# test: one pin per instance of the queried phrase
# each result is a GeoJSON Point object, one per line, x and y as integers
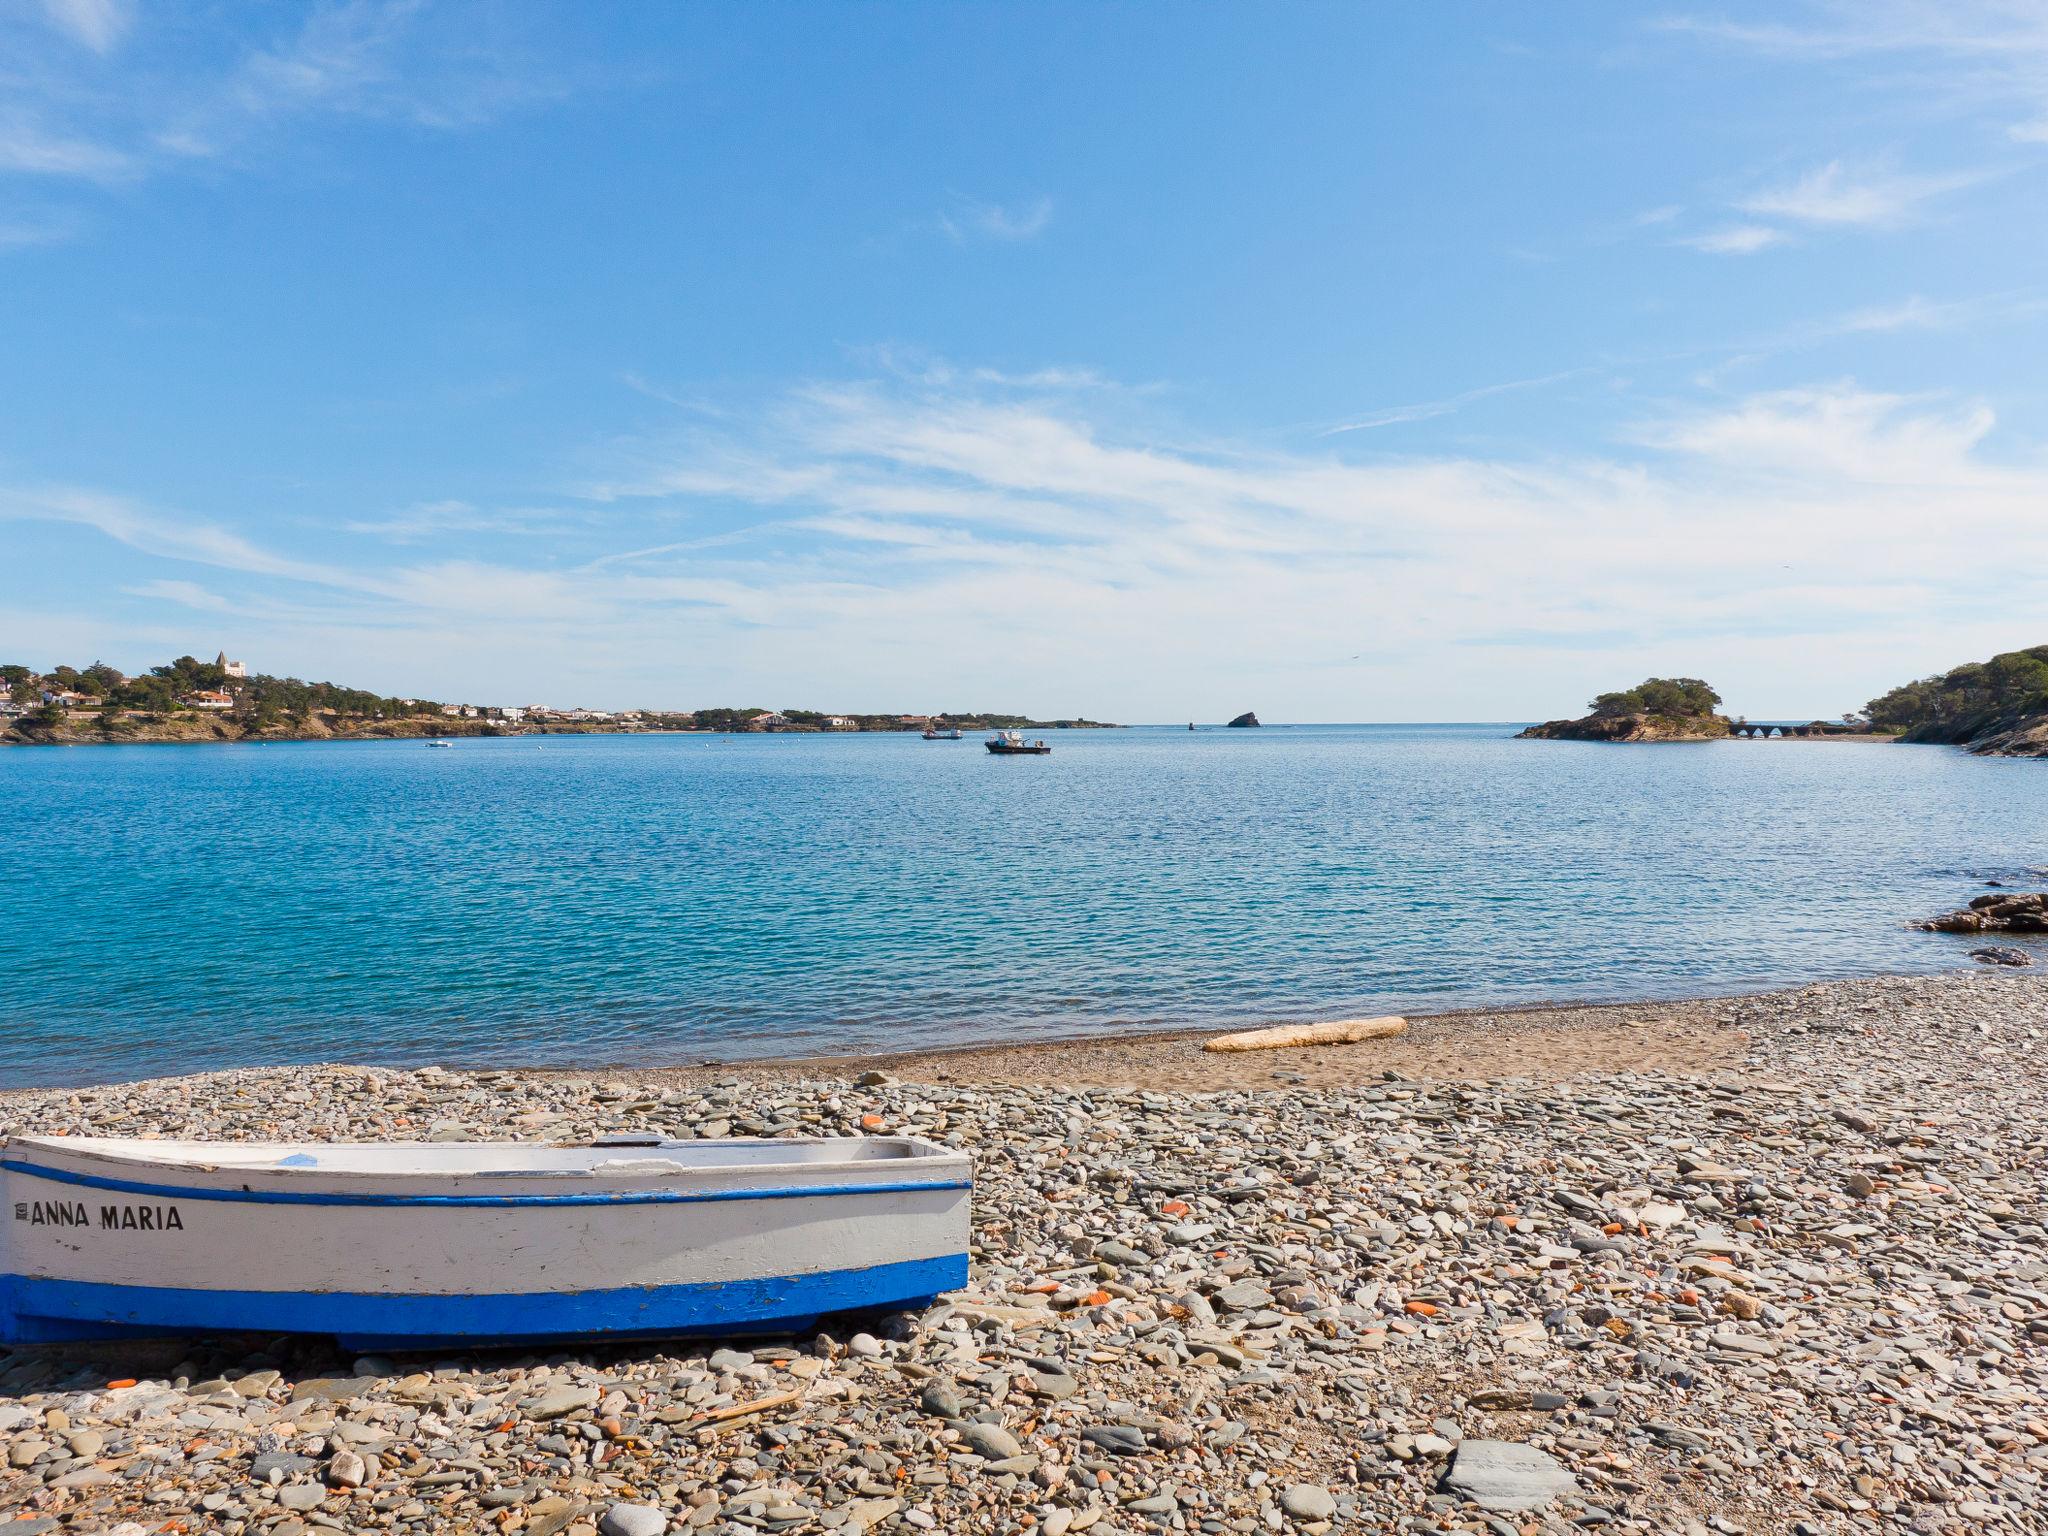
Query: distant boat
{"type": "Point", "coordinates": [439, 743]}
{"type": "Point", "coordinates": [1013, 744]}
{"type": "Point", "coordinates": [446, 1244]}
{"type": "Point", "coordinates": [935, 734]}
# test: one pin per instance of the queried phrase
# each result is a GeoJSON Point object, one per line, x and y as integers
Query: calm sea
{"type": "Point", "coordinates": [600, 899]}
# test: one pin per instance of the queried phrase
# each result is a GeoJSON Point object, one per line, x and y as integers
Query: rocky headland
{"type": "Point", "coordinates": [1771, 1265]}
{"type": "Point", "coordinates": [1995, 708]}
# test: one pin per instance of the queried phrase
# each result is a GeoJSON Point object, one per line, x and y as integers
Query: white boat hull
{"type": "Point", "coordinates": [449, 1244]}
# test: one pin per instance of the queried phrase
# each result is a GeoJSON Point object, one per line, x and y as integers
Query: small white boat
{"type": "Point", "coordinates": [439, 743]}
{"type": "Point", "coordinates": [1013, 744]}
{"type": "Point", "coordinates": [440, 1244]}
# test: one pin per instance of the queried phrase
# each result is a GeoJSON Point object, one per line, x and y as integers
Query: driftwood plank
{"type": "Point", "coordinates": [1334, 1032]}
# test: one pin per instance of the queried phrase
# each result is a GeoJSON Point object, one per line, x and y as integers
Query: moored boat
{"type": "Point", "coordinates": [1013, 744]}
{"type": "Point", "coordinates": [935, 734]}
{"type": "Point", "coordinates": [417, 1245]}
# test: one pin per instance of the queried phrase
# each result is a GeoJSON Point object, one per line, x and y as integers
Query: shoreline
{"type": "Point", "coordinates": [1770, 1263]}
{"type": "Point", "coordinates": [1551, 1038]}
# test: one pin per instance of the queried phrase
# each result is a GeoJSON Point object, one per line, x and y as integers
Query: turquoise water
{"type": "Point", "coordinates": [602, 899]}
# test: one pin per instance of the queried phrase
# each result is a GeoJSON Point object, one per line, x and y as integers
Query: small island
{"type": "Point", "coordinates": [1656, 709]}
{"type": "Point", "coordinates": [1245, 719]}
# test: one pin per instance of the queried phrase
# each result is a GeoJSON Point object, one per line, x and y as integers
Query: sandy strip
{"type": "Point", "coordinates": [1542, 1044]}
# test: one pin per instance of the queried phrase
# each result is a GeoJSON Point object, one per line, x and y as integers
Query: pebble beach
{"type": "Point", "coordinates": [1770, 1264]}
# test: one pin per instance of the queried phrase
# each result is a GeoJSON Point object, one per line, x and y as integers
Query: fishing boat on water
{"type": "Point", "coordinates": [1013, 744]}
{"type": "Point", "coordinates": [437, 742]}
{"type": "Point", "coordinates": [446, 1244]}
{"type": "Point", "coordinates": [934, 733]}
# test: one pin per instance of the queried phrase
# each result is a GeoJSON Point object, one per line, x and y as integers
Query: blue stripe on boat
{"type": "Point", "coordinates": [38, 1310]}
{"type": "Point", "coordinates": [332, 1197]}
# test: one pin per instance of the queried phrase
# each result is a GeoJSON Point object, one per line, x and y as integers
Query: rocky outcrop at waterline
{"type": "Point", "coordinates": [2019, 912]}
{"type": "Point", "coordinates": [2027, 738]}
{"type": "Point", "coordinates": [1247, 718]}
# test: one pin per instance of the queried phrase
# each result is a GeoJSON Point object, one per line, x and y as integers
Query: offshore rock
{"type": "Point", "coordinates": [2018, 912]}
{"type": "Point", "coordinates": [1247, 718]}
{"type": "Point", "coordinates": [2001, 954]}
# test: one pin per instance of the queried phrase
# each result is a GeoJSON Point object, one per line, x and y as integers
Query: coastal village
{"type": "Point", "coordinates": [190, 700]}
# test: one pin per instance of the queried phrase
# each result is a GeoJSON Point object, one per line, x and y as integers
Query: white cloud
{"type": "Point", "coordinates": [2034, 132]}
{"type": "Point", "coordinates": [873, 542]}
{"type": "Point", "coordinates": [83, 115]}
{"type": "Point", "coordinates": [1964, 58]}
{"type": "Point", "coordinates": [970, 220]}
{"type": "Point", "coordinates": [27, 148]}
{"type": "Point", "coordinates": [97, 24]}
{"type": "Point", "coordinates": [1832, 195]}
{"type": "Point", "coordinates": [1739, 240]}
{"type": "Point", "coordinates": [186, 594]}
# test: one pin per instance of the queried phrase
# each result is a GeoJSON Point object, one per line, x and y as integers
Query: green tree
{"type": "Point", "coordinates": [1683, 697]}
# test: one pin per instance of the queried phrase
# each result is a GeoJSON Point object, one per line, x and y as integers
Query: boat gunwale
{"type": "Point", "coordinates": [621, 1178]}
{"type": "Point", "coordinates": [400, 1199]}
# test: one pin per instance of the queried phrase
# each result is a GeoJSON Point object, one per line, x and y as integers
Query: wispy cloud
{"type": "Point", "coordinates": [434, 519]}
{"type": "Point", "coordinates": [1428, 409]}
{"type": "Point", "coordinates": [76, 107]}
{"type": "Point", "coordinates": [1737, 240]}
{"type": "Point", "coordinates": [1963, 57]}
{"type": "Point", "coordinates": [851, 539]}
{"type": "Point", "coordinates": [97, 24]}
{"type": "Point", "coordinates": [1834, 195]}
{"type": "Point", "coordinates": [970, 220]}
{"type": "Point", "coordinates": [185, 594]}
{"type": "Point", "coordinates": [28, 148]}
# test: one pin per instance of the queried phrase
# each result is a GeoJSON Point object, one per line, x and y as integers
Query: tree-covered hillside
{"type": "Point", "coordinates": [1966, 702]}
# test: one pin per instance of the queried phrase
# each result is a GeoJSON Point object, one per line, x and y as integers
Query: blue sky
{"type": "Point", "coordinates": [1148, 361]}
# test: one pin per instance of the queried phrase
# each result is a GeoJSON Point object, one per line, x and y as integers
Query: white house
{"type": "Point", "coordinates": [207, 698]}
{"type": "Point", "coordinates": [231, 668]}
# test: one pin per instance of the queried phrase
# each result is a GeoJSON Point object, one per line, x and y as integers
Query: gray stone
{"type": "Point", "coordinates": [561, 1402]}
{"type": "Point", "coordinates": [1122, 1254]}
{"type": "Point", "coordinates": [991, 1440]}
{"type": "Point", "coordinates": [1307, 1501]}
{"type": "Point", "coordinates": [632, 1520]}
{"type": "Point", "coordinates": [301, 1495]}
{"type": "Point", "coordinates": [1245, 1296]}
{"type": "Point", "coordinates": [1506, 1476]}
{"type": "Point", "coordinates": [1117, 1439]}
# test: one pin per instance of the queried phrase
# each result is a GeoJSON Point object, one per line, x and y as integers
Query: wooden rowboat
{"type": "Point", "coordinates": [440, 1244]}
